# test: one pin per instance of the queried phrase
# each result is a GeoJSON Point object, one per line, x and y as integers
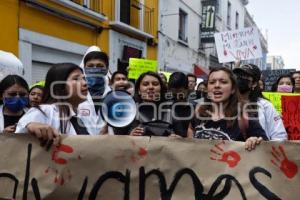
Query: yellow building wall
{"type": "Point", "coordinates": [18, 14]}
{"type": "Point", "coordinates": [39, 21]}
{"type": "Point", "coordinates": [9, 26]}
{"type": "Point", "coordinates": [134, 14]}
{"type": "Point", "coordinates": [152, 50]}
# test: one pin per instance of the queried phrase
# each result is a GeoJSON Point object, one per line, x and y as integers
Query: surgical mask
{"type": "Point", "coordinates": [284, 88]}
{"type": "Point", "coordinates": [243, 85]}
{"type": "Point", "coordinates": [95, 78]}
{"type": "Point", "coordinates": [15, 104]}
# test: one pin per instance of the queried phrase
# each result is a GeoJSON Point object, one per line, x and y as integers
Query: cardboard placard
{"type": "Point", "coordinates": [275, 98]}
{"type": "Point", "coordinates": [270, 76]}
{"type": "Point", "coordinates": [124, 167]}
{"type": "Point", "coordinates": [291, 116]}
{"type": "Point", "coordinates": [236, 45]}
{"type": "Point", "coordinates": [139, 66]}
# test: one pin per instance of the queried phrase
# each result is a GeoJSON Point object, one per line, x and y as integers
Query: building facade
{"type": "Point", "coordinates": [229, 15]}
{"type": "Point", "coordinates": [43, 32]}
{"type": "Point", "coordinates": [179, 35]}
{"type": "Point", "coordinates": [275, 62]}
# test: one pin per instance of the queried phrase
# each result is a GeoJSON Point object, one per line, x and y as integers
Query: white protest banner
{"type": "Point", "coordinates": [124, 167]}
{"type": "Point", "coordinates": [238, 45]}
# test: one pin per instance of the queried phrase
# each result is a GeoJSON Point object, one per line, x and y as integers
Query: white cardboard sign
{"type": "Point", "coordinates": [240, 44]}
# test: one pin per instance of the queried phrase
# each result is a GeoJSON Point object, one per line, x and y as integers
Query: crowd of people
{"type": "Point", "coordinates": [229, 105]}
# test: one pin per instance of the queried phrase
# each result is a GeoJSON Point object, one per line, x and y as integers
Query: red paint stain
{"type": "Point", "coordinates": [142, 152]}
{"type": "Point", "coordinates": [62, 180]}
{"type": "Point", "coordinates": [61, 148]}
{"type": "Point", "coordinates": [133, 158]}
{"type": "Point", "coordinates": [280, 160]}
{"type": "Point", "coordinates": [79, 157]}
{"type": "Point", "coordinates": [231, 158]}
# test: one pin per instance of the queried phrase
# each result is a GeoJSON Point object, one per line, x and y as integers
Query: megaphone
{"type": "Point", "coordinates": [118, 108]}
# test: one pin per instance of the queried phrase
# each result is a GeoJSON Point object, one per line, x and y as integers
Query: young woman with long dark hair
{"type": "Point", "coordinates": [220, 117]}
{"type": "Point", "coordinates": [65, 88]}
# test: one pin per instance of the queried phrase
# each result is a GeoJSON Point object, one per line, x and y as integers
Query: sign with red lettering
{"type": "Point", "coordinates": [291, 116]}
{"type": "Point", "coordinates": [235, 45]}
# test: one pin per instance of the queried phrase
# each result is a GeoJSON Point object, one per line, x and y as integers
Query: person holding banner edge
{"type": "Point", "coordinates": [219, 117]}
{"type": "Point", "coordinates": [65, 88]}
{"type": "Point", "coordinates": [154, 113]}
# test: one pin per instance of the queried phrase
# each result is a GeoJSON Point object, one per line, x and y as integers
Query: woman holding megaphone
{"type": "Point", "coordinates": [153, 114]}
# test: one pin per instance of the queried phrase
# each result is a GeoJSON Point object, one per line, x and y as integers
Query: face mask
{"type": "Point", "coordinates": [284, 88]}
{"type": "Point", "coordinates": [95, 78]}
{"type": "Point", "coordinates": [243, 85]}
{"type": "Point", "coordinates": [15, 104]}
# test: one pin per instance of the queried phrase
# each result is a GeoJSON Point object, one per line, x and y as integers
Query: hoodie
{"type": "Point", "coordinates": [86, 110]}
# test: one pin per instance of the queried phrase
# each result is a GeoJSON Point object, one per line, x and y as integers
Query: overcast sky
{"type": "Point", "coordinates": [281, 20]}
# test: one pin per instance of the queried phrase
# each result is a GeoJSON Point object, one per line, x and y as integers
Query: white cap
{"type": "Point", "coordinates": [9, 64]}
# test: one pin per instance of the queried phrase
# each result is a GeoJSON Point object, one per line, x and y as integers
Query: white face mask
{"type": "Point", "coordinates": [285, 88]}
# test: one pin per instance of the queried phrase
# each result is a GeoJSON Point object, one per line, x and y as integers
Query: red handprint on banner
{"type": "Point", "coordinates": [231, 158]}
{"type": "Point", "coordinates": [135, 155]}
{"type": "Point", "coordinates": [280, 160]}
{"type": "Point", "coordinates": [61, 148]}
{"type": "Point", "coordinates": [60, 178]}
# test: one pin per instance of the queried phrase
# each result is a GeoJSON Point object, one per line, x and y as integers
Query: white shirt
{"type": "Point", "coordinates": [93, 120]}
{"type": "Point", "coordinates": [271, 121]}
{"type": "Point", "coordinates": [50, 117]}
{"type": "Point", "coordinates": [2, 118]}
{"type": "Point", "coordinates": [86, 110]}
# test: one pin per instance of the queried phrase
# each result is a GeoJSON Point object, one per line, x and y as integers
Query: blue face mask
{"type": "Point", "coordinates": [95, 78]}
{"type": "Point", "coordinates": [15, 104]}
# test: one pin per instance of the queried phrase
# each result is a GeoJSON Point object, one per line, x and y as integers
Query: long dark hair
{"type": "Point", "coordinates": [231, 109]}
{"type": "Point", "coordinates": [281, 77]}
{"type": "Point", "coordinates": [55, 90]}
{"type": "Point", "coordinates": [163, 88]}
{"type": "Point", "coordinates": [11, 80]}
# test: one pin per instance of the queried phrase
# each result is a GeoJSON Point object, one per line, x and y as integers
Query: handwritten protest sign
{"type": "Point", "coordinates": [291, 116]}
{"type": "Point", "coordinates": [124, 167]}
{"type": "Point", "coordinates": [241, 44]}
{"type": "Point", "coordinates": [275, 98]}
{"type": "Point", "coordinates": [139, 66]}
{"type": "Point", "coordinates": [270, 76]}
